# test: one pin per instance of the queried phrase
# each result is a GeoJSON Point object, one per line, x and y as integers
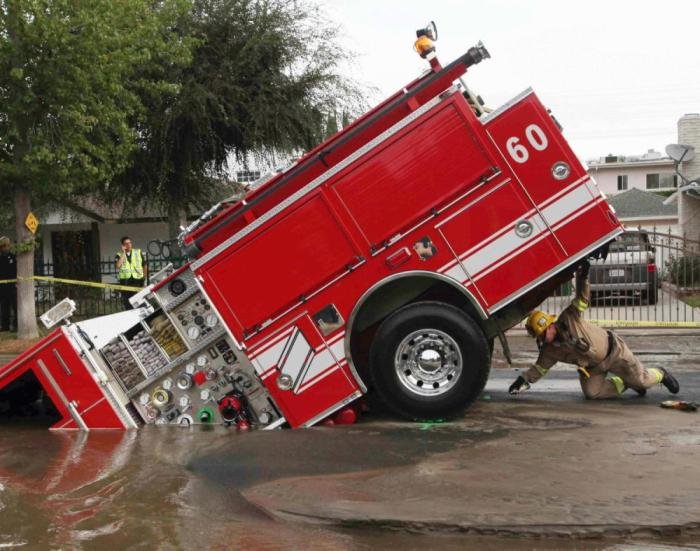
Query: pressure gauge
{"type": "Point", "coordinates": [167, 384]}
{"type": "Point", "coordinates": [144, 399]}
{"type": "Point", "coordinates": [204, 395]}
{"type": "Point", "coordinates": [184, 401]}
{"type": "Point", "coordinates": [202, 360]}
{"type": "Point", "coordinates": [190, 368]}
{"type": "Point", "coordinates": [211, 320]}
{"type": "Point", "coordinates": [193, 332]}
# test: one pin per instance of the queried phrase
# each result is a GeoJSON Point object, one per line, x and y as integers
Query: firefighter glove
{"type": "Point", "coordinates": [518, 386]}
{"type": "Point", "coordinates": [584, 268]}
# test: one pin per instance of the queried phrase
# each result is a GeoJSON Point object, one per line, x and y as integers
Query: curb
{"type": "Point", "coordinates": [541, 531]}
{"type": "Point", "coordinates": [631, 331]}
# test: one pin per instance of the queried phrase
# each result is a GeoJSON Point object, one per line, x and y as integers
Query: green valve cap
{"type": "Point", "coordinates": [205, 415]}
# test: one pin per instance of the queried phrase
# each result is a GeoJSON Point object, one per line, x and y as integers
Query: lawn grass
{"type": "Point", "coordinates": [691, 300]}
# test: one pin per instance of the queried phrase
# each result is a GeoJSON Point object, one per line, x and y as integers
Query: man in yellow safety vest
{"type": "Point", "coordinates": [131, 269]}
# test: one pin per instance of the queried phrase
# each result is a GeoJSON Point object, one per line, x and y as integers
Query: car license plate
{"type": "Point", "coordinates": [616, 273]}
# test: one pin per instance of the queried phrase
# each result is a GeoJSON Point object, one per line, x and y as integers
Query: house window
{"type": "Point", "coordinates": [622, 182]}
{"type": "Point", "coordinates": [652, 181]}
{"type": "Point", "coordinates": [668, 180]}
{"type": "Point", "coordinates": [243, 176]}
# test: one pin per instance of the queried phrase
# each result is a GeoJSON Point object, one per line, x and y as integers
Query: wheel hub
{"type": "Point", "coordinates": [428, 362]}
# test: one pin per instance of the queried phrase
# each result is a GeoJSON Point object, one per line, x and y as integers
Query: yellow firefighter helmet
{"type": "Point", "coordinates": [537, 323]}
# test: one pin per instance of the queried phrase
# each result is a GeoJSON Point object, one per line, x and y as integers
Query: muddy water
{"type": "Point", "coordinates": [162, 488]}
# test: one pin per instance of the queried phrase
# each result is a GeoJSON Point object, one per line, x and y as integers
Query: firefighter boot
{"type": "Point", "coordinates": [669, 381]}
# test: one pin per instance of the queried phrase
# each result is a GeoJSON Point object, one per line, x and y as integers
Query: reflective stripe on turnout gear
{"type": "Point", "coordinates": [542, 370]}
{"type": "Point", "coordinates": [657, 373]}
{"type": "Point", "coordinates": [131, 269]}
{"type": "Point", "coordinates": [579, 304]}
{"type": "Point", "coordinates": [619, 383]}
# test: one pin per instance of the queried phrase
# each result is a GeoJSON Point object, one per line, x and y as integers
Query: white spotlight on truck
{"type": "Point", "coordinates": [63, 310]}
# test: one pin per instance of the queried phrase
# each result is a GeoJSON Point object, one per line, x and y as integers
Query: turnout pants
{"type": "Point", "coordinates": [619, 371]}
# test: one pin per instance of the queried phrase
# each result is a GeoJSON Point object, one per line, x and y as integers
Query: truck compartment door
{"type": "Point", "coordinates": [556, 182]}
{"type": "Point", "coordinates": [501, 243]}
{"type": "Point", "coordinates": [278, 268]}
{"type": "Point", "coordinates": [412, 173]}
{"type": "Point", "coordinates": [307, 376]}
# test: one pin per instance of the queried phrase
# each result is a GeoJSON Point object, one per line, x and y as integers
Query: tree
{"type": "Point", "coordinates": [264, 78]}
{"type": "Point", "coordinates": [69, 93]}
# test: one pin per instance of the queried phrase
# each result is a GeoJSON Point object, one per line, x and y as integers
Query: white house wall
{"type": "Point", "coordinates": [141, 233]}
{"type": "Point", "coordinates": [606, 177]}
{"type": "Point", "coordinates": [110, 235]}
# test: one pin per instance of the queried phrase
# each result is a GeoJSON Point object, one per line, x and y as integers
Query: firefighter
{"type": "Point", "coordinates": [130, 269]}
{"type": "Point", "coordinates": [606, 366]}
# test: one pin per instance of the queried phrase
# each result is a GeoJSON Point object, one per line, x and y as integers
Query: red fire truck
{"type": "Point", "coordinates": [389, 258]}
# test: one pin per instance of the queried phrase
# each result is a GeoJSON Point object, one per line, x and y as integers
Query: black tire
{"type": "Point", "coordinates": [451, 326]}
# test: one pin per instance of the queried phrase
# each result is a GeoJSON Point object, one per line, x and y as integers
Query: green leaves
{"type": "Point", "coordinates": [67, 102]}
{"type": "Point", "coordinates": [264, 77]}
{"type": "Point", "coordinates": [147, 101]}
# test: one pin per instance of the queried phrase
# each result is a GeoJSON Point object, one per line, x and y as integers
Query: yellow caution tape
{"type": "Point", "coordinates": [645, 323]}
{"type": "Point", "coordinates": [75, 282]}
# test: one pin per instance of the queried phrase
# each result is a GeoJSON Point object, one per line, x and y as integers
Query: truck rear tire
{"type": "Point", "coordinates": [429, 361]}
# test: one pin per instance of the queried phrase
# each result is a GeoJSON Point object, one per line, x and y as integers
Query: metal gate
{"type": "Point", "coordinates": [649, 279]}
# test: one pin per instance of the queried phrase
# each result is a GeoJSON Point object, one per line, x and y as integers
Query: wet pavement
{"type": "Point", "coordinates": [545, 470]}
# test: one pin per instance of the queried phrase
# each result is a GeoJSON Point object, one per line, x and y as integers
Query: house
{"type": "Point", "coordinates": [80, 239]}
{"type": "Point", "coordinates": [642, 209]}
{"type": "Point", "coordinates": [650, 171]}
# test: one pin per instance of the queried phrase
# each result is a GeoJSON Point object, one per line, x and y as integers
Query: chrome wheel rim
{"type": "Point", "coordinates": [428, 362]}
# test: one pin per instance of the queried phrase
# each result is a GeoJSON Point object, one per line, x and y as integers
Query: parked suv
{"type": "Point", "coordinates": [629, 270]}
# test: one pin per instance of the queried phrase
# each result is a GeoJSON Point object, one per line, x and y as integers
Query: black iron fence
{"type": "Point", "coordinates": [649, 278]}
{"type": "Point", "coordinates": [90, 301]}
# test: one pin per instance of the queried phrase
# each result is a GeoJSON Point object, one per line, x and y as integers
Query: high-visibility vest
{"type": "Point", "coordinates": [131, 269]}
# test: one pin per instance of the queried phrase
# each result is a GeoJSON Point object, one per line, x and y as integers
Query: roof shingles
{"type": "Point", "coordinates": [636, 203]}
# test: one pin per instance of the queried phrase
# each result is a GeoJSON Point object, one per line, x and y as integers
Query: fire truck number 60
{"type": "Point", "coordinates": [535, 136]}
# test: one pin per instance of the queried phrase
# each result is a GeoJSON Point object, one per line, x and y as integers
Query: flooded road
{"type": "Point", "coordinates": [162, 488]}
{"type": "Point", "coordinates": [170, 488]}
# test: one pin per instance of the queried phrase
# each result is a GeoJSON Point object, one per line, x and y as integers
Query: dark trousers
{"type": "Point", "coordinates": [8, 306]}
{"type": "Point", "coordinates": [126, 295]}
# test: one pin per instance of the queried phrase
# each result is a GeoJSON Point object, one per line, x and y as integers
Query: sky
{"type": "Point", "coordinates": [617, 74]}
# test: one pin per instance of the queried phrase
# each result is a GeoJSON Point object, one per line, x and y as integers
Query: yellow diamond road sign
{"type": "Point", "coordinates": [31, 222]}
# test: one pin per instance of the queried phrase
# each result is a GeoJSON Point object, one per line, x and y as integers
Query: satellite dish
{"type": "Point", "coordinates": [680, 152]}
